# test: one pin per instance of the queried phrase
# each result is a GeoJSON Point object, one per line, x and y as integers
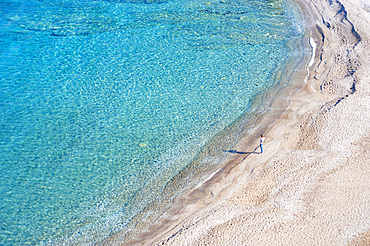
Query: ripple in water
{"type": "Point", "coordinates": [110, 108]}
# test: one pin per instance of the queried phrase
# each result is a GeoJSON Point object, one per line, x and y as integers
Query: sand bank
{"type": "Point", "coordinates": [311, 186]}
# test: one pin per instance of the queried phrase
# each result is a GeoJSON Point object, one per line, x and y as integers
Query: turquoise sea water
{"type": "Point", "coordinates": [102, 103]}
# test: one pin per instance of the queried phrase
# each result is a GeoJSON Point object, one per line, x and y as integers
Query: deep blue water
{"type": "Point", "coordinates": [102, 101]}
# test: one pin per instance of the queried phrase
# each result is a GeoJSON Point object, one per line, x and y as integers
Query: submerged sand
{"type": "Point", "coordinates": [311, 186]}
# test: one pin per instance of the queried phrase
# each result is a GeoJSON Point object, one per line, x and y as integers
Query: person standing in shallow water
{"type": "Point", "coordinates": [262, 140]}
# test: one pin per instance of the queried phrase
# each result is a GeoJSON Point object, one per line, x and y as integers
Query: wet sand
{"type": "Point", "coordinates": [311, 185]}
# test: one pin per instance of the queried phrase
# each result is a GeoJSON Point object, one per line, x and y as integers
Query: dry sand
{"type": "Point", "coordinates": [311, 186]}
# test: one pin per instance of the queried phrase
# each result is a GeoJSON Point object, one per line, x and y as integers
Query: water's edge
{"type": "Point", "coordinates": [215, 154]}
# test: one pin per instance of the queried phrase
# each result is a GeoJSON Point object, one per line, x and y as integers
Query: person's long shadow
{"type": "Point", "coordinates": [241, 153]}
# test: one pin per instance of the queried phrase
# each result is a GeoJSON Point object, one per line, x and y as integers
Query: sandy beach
{"type": "Point", "coordinates": [311, 185]}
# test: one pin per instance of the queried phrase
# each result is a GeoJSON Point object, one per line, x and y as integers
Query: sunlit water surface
{"type": "Point", "coordinates": [105, 101]}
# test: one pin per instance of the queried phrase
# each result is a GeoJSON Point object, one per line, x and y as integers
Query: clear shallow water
{"type": "Point", "coordinates": [104, 102]}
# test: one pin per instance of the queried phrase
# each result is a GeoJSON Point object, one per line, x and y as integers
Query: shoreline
{"type": "Point", "coordinates": [310, 184]}
{"type": "Point", "coordinates": [215, 154]}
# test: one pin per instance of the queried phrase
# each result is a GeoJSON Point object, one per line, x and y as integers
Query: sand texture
{"type": "Point", "coordinates": [311, 186]}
